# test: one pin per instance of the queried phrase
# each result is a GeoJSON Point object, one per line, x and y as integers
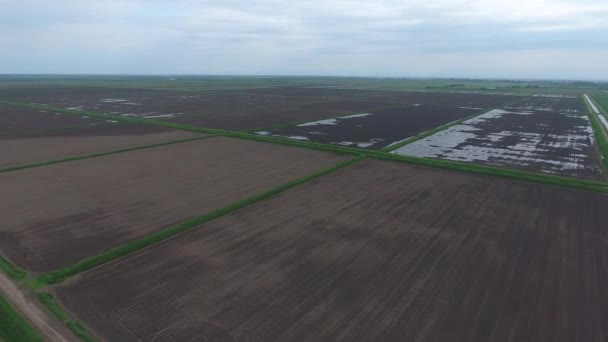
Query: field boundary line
{"type": "Point", "coordinates": [425, 134]}
{"type": "Point", "coordinates": [599, 131]}
{"type": "Point", "coordinates": [57, 276]}
{"type": "Point", "coordinates": [11, 270]}
{"type": "Point", "coordinates": [102, 154]}
{"type": "Point", "coordinates": [537, 177]}
{"type": "Point", "coordinates": [49, 302]}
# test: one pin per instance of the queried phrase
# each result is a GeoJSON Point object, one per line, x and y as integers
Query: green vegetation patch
{"type": "Point", "coordinates": [601, 134]}
{"type": "Point", "coordinates": [49, 302]}
{"type": "Point", "coordinates": [13, 327]}
{"type": "Point", "coordinates": [58, 276]}
{"type": "Point", "coordinates": [78, 329]}
{"type": "Point", "coordinates": [11, 270]}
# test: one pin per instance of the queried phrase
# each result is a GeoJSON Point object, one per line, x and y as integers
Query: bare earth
{"type": "Point", "coordinates": [48, 327]}
{"type": "Point", "coordinates": [379, 251]}
{"type": "Point", "coordinates": [42, 147]}
{"type": "Point", "coordinates": [59, 214]}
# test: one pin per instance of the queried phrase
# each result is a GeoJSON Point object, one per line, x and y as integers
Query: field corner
{"type": "Point", "coordinates": [49, 302]}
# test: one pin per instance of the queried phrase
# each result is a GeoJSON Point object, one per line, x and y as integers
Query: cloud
{"type": "Point", "coordinates": [270, 35]}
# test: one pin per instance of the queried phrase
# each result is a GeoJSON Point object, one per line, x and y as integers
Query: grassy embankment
{"type": "Point", "coordinates": [600, 132]}
{"type": "Point", "coordinates": [78, 329]}
{"type": "Point", "coordinates": [13, 327]}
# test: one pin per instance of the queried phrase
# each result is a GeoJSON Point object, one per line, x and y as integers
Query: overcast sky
{"type": "Point", "coordinates": [564, 39]}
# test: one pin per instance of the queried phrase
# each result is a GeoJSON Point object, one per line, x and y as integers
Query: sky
{"type": "Point", "coordinates": [531, 39]}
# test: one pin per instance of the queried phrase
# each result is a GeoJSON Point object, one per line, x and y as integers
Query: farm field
{"type": "Point", "coordinates": [545, 134]}
{"type": "Point", "coordinates": [29, 148]}
{"type": "Point", "coordinates": [378, 251]}
{"type": "Point", "coordinates": [62, 213]}
{"type": "Point", "coordinates": [15, 120]}
{"type": "Point", "coordinates": [244, 109]}
{"type": "Point", "coordinates": [376, 129]}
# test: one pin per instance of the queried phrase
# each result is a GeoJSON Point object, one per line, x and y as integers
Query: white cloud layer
{"type": "Point", "coordinates": [383, 37]}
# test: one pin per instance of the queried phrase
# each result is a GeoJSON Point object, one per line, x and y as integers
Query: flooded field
{"type": "Point", "coordinates": [243, 109]}
{"type": "Point", "coordinates": [376, 129]}
{"type": "Point", "coordinates": [560, 143]}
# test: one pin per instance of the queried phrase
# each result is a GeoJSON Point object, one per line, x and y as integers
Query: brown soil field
{"type": "Point", "coordinates": [14, 120]}
{"type": "Point", "coordinates": [560, 143]}
{"type": "Point", "coordinates": [246, 109]}
{"type": "Point", "coordinates": [376, 129]}
{"type": "Point", "coordinates": [422, 97]}
{"type": "Point", "coordinates": [378, 251]}
{"type": "Point", "coordinates": [23, 149]}
{"type": "Point", "coordinates": [62, 213]}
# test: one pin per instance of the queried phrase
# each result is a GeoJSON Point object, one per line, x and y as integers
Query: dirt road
{"type": "Point", "coordinates": [48, 327]}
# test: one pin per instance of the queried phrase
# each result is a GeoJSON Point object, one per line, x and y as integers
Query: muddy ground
{"type": "Point", "coordinates": [59, 214]}
{"type": "Point", "coordinates": [376, 129]}
{"type": "Point", "coordinates": [559, 143]}
{"type": "Point", "coordinates": [545, 103]}
{"type": "Point", "coordinates": [378, 251]}
{"type": "Point", "coordinates": [16, 120]}
{"type": "Point", "coordinates": [244, 109]}
{"type": "Point", "coordinates": [42, 146]}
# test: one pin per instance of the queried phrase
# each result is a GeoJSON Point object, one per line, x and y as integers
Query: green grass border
{"type": "Point", "coordinates": [95, 155]}
{"type": "Point", "coordinates": [433, 131]}
{"type": "Point", "coordinates": [57, 276]}
{"type": "Point", "coordinates": [13, 326]}
{"type": "Point", "coordinates": [11, 270]}
{"type": "Point", "coordinates": [53, 306]}
{"type": "Point", "coordinates": [600, 132]}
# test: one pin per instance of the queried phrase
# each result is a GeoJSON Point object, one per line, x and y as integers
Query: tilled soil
{"type": "Point", "coordinates": [244, 109]}
{"type": "Point", "coordinates": [59, 214]}
{"type": "Point", "coordinates": [23, 149]}
{"type": "Point", "coordinates": [378, 251]}
{"type": "Point", "coordinates": [378, 129]}
{"type": "Point", "coordinates": [16, 120]}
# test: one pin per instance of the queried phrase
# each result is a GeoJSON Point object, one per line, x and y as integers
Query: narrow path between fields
{"type": "Point", "coordinates": [27, 305]}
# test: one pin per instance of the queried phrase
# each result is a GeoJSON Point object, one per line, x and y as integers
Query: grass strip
{"type": "Point", "coordinates": [78, 329]}
{"type": "Point", "coordinates": [95, 155]}
{"type": "Point", "coordinates": [49, 302]}
{"type": "Point", "coordinates": [431, 132]}
{"type": "Point", "coordinates": [58, 276]}
{"type": "Point", "coordinates": [11, 270]}
{"type": "Point", "coordinates": [600, 132]}
{"type": "Point", "coordinates": [385, 155]}
{"type": "Point", "coordinates": [13, 327]}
